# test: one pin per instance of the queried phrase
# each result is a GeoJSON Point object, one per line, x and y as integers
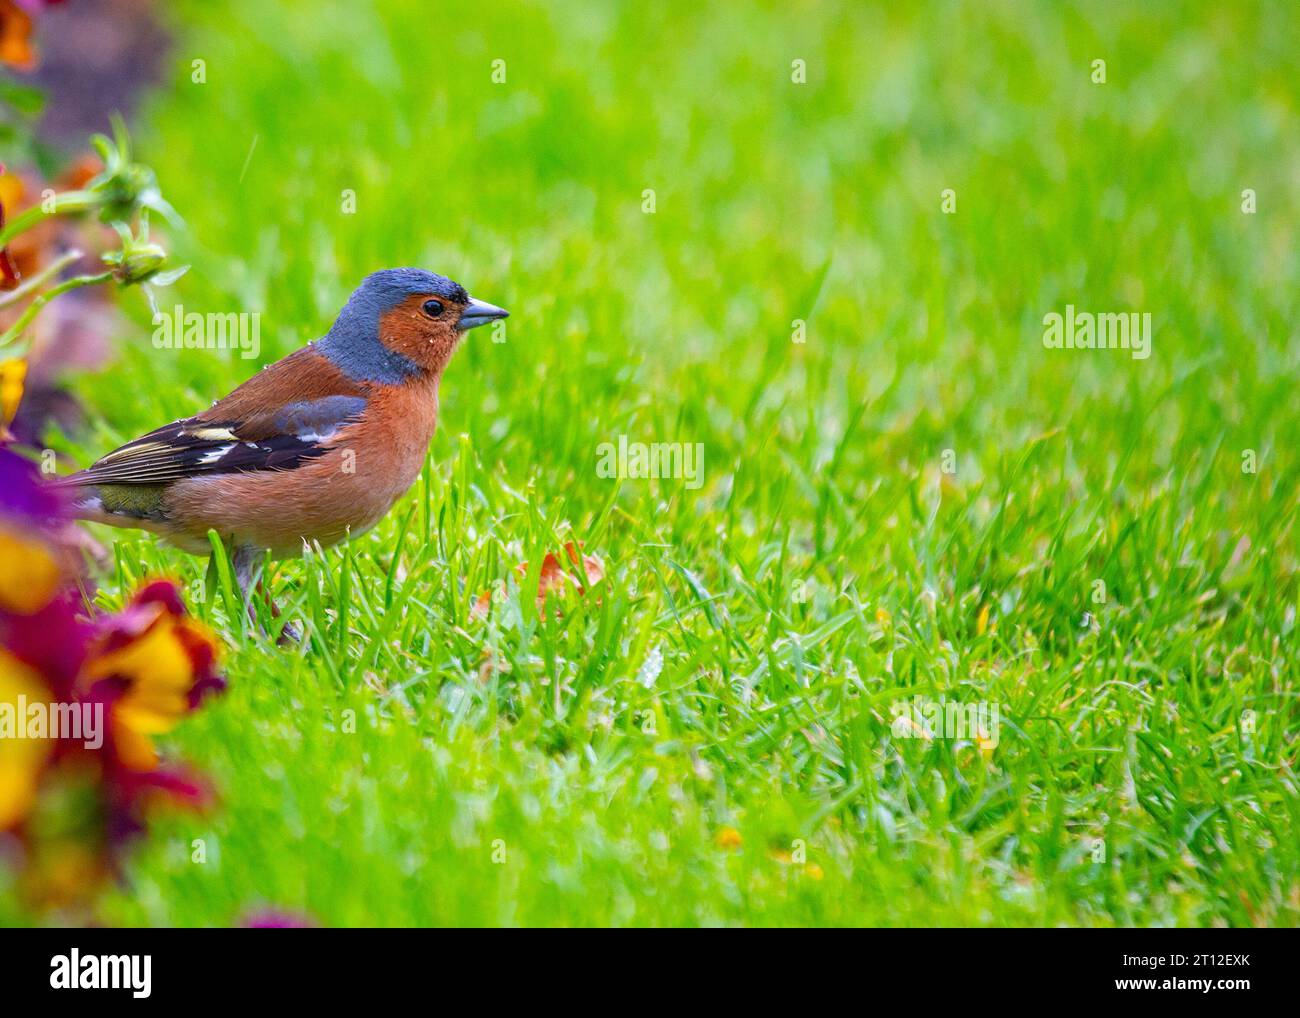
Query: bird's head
{"type": "Point", "coordinates": [401, 323]}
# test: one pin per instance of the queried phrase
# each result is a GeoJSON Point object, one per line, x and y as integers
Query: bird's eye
{"type": "Point", "coordinates": [433, 308]}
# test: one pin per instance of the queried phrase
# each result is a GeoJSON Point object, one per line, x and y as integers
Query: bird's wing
{"type": "Point", "coordinates": [279, 419]}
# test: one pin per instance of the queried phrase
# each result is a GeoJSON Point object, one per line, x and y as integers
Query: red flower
{"type": "Point", "coordinates": [9, 277]}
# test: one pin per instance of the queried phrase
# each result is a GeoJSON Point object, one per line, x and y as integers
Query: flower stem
{"type": "Point", "coordinates": [64, 204]}
{"type": "Point", "coordinates": [37, 281]}
{"type": "Point", "coordinates": [34, 308]}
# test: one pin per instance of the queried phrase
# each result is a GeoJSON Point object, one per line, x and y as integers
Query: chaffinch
{"type": "Point", "coordinates": [316, 447]}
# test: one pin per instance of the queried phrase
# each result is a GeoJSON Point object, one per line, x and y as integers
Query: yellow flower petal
{"type": "Point", "coordinates": [21, 759]}
{"type": "Point", "coordinates": [157, 666]}
{"type": "Point", "coordinates": [11, 191]}
{"type": "Point", "coordinates": [13, 374]}
{"type": "Point", "coordinates": [729, 838]}
{"type": "Point", "coordinates": [133, 748]}
{"type": "Point", "coordinates": [29, 574]}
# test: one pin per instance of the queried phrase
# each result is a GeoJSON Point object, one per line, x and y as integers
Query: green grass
{"type": "Point", "coordinates": [823, 463]}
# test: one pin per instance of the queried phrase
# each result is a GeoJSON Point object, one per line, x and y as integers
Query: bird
{"type": "Point", "coordinates": [314, 449]}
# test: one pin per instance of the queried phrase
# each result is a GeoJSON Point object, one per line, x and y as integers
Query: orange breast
{"type": "Point", "coordinates": [348, 490]}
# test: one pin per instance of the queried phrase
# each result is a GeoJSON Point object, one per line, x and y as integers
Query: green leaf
{"type": "Point", "coordinates": [169, 276]}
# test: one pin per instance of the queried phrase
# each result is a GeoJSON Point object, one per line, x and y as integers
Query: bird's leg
{"type": "Point", "coordinates": [248, 570]}
{"type": "Point", "coordinates": [265, 591]}
{"type": "Point", "coordinates": [248, 567]}
{"type": "Point", "coordinates": [248, 574]}
{"type": "Point", "coordinates": [289, 633]}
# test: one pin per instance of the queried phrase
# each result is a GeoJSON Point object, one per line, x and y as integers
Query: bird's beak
{"type": "Point", "coordinates": [479, 312]}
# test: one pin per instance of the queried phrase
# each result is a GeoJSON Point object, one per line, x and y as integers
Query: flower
{"type": "Point", "coordinates": [11, 189]}
{"type": "Point", "coordinates": [73, 332]}
{"type": "Point", "coordinates": [153, 665]}
{"type": "Point", "coordinates": [76, 798]}
{"type": "Point", "coordinates": [138, 259]}
{"type": "Point", "coordinates": [16, 23]}
{"type": "Point", "coordinates": [13, 375]}
{"type": "Point", "coordinates": [123, 187]}
{"type": "Point", "coordinates": [21, 760]}
{"type": "Point", "coordinates": [30, 554]}
{"type": "Point", "coordinates": [29, 573]}
{"type": "Point", "coordinates": [16, 48]}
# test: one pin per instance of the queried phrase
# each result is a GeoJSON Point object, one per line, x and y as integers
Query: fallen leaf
{"type": "Point", "coordinates": [553, 578]}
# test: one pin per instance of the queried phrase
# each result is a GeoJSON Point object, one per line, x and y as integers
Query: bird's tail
{"type": "Point", "coordinates": [117, 505]}
{"type": "Point", "coordinates": [75, 480]}
{"type": "Point", "coordinates": [83, 500]}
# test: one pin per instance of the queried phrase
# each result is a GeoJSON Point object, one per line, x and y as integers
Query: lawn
{"type": "Point", "coordinates": [833, 276]}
